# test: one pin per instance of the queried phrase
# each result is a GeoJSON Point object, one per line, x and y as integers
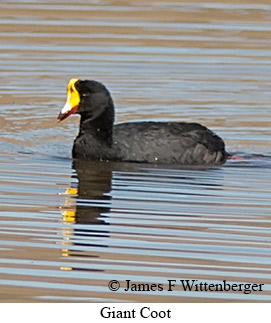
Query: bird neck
{"type": "Point", "coordinates": [99, 127]}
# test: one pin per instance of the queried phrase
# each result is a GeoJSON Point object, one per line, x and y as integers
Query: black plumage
{"type": "Point", "coordinates": [150, 142]}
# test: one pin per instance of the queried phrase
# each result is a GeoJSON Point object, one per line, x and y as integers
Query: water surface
{"type": "Point", "coordinates": [68, 228]}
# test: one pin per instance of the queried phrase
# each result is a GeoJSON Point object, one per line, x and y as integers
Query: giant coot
{"type": "Point", "coordinates": [147, 142]}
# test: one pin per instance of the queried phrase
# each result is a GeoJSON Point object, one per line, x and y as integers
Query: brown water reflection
{"type": "Point", "coordinates": [68, 228]}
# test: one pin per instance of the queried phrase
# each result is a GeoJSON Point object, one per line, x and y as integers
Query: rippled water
{"type": "Point", "coordinates": [68, 228]}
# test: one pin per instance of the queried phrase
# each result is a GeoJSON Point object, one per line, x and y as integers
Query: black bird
{"type": "Point", "coordinates": [145, 142]}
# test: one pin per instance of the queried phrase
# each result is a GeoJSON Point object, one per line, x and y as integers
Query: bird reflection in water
{"type": "Point", "coordinates": [87, 204]}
